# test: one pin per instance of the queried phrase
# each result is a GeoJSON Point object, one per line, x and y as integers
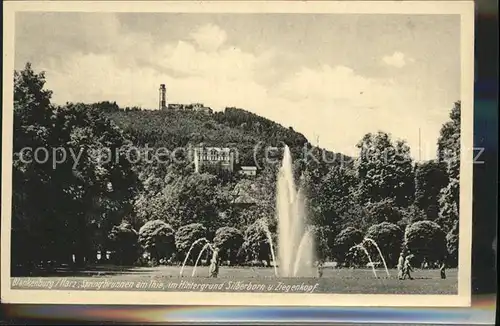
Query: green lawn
{"type": "Point", "coordinates": [167, 278]}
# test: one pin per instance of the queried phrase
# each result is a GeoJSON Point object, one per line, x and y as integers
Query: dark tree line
{"type": "Point", "coordinates": [63, 209]}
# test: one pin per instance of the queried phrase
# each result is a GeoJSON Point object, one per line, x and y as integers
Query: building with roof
{"type": "Point", "coordinates": [163, 105]}
{"type": "Point", "coordinates": [222, 156]}
{"type": "Point", "coordinates": [250, 171]}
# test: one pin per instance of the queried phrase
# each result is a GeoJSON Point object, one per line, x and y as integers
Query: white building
{"type": "Point", "coordinates": [249, 170]}
{"type": "Point", "coordinates": [214, 155]}
{"type": "Point", "coordinates": [199, 107]}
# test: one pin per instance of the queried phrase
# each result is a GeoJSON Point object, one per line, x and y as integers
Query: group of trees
{"type": "Point", "coordinates": [65, 199]}
{"type": "Point", "coordinates": [158, 242]}
{"type": "Point", "coordinates": [425, 239]}
{"type": "Point", "coordinates": [72, 202]}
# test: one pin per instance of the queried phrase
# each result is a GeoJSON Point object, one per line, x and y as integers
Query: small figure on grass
{"type": "Point", "coordinates": [425, 264]}
{"type": "Point", "coordinates": [442, 270]}
{"type": "Point", "coordinates": [407, 268]}
{"type": "Point", "coordinates": [214, 264]}
{"type": "Point", "coordinates": [401, 262]}
{"type": "Point", "coordinates": [319, 268]}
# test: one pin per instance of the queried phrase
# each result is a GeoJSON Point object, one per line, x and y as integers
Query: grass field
{"type": "Point", "coordinates": [355, 281]}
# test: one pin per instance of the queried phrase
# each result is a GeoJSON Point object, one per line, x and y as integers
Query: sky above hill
{"type": "Point", "coordinates": [332, 77]}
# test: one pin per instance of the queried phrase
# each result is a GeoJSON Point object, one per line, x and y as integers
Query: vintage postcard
{"type": "Point", "coordinates": [237, 153]}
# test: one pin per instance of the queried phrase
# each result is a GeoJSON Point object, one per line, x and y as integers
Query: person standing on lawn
{"type": "Point", "coordinates": [214, 263]}
{"type": "Point", "coordinates": [401, 262]}
{"type": "Point", "coordinates": [319, 268]}
{"type": "Point", "coordinates": [442, 270]}
{"type": "Point", "coordinates": [407, 268]}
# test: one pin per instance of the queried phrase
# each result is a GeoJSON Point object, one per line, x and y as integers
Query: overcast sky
{"type": "Point", "coordinates": [332, 76]}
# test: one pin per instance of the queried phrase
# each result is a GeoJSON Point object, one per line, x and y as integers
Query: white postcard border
{"type": "Point", "coordinates": [463, 298]}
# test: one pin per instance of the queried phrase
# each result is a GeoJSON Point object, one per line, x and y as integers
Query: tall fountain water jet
{"type": "Point", "coordinates": [291, 222]}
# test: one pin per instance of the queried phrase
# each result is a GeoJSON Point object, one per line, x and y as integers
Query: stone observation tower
{"type": "Point", "coordinates": [163, 97]}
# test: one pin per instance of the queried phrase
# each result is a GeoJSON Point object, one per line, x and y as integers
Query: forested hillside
{"type": "Point", "coordinates": [235, 128]}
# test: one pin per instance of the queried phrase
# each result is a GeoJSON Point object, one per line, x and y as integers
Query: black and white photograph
{"type": "Point", "coordinates": [263, 152]}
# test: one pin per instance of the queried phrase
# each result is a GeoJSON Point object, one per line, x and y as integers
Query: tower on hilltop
{"type": "Point", "coordinates": [163, 97]}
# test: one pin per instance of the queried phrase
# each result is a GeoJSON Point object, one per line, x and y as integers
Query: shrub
{"type": "Point", "coordinates": [186, 236]}
{"type": "Point", "coordinates": [389, 238]}
{"type": "Point", "coordinates": [157, 238]}
{"type": "Point", "coordinates": [229, 240]}
{"type": "Point", "coordinates": [123, 241]}
{"type": "Point", "coordinates": [426, 240]}
{"type": "Point", "coordinates": [344, 241]}
{"type": "Point", "coordinates": [356, 257]}
{"type": "Point", "coordinates": [256, 244]}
